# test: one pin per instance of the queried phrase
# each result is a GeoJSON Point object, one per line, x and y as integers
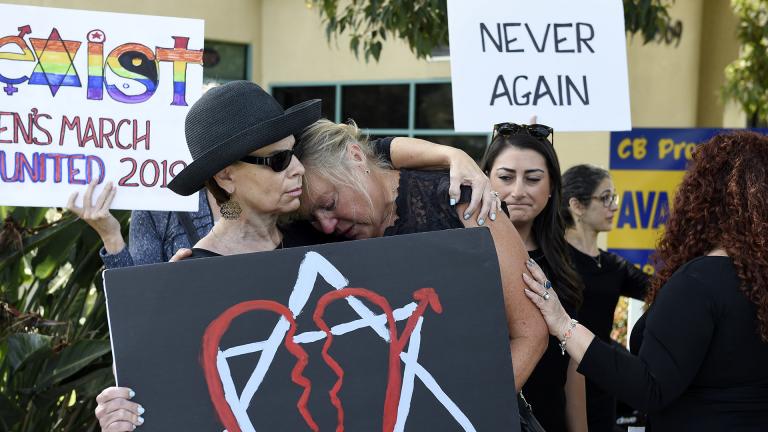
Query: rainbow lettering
{"type": "Point", "coordinates": [55, 62]}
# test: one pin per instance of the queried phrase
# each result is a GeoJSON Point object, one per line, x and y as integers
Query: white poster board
{"type": "Point", "coordinates": [92, 95]}
{"type": "Point", "coordinates": [562, 60]}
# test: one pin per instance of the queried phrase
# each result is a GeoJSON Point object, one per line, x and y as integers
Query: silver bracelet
{"type": "Point", "coordinates": [568, 333]}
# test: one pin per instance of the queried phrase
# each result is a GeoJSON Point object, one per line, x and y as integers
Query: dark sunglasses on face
{"type": "Point", "coordinates": [278, 161]}
{"type": "Point", "coordinates": [535, 130]}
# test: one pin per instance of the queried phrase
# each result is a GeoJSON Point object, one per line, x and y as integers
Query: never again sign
{"type": "Point", "coordinates": [95, 96]}
{"type": "Point", "coordinates": [560, 60]}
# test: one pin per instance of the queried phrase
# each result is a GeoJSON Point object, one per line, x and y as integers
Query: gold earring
{"type": "Point", "coordinates": [230, 210]}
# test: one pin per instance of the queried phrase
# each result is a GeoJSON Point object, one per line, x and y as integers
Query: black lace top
{"type": "Point", "coordinates": [423, 203]}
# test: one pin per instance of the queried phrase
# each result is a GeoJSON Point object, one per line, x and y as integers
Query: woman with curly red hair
{"type": "Point", "coordinates": [703, 359]}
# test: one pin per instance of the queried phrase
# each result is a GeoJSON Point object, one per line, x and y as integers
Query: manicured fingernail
{"type": "Point", "coordinates": [140, 420]}
{"type": "Point", "coordinates": [453, 202]}
{"type": "Point", "coordinates": [493, 216]}
{"type": "Point", "coordinates": [141, 410]}
{"type": "Point", "coordinates": [467, 216]}
{"type": "Point", "coordinates": [529, 262]}
{"type": "Point", "coordinates": [131, 393]}
{"type": "Point", "coordinates": [480, 221]}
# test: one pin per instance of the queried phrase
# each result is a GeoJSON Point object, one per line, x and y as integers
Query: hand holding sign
{"type": "Point", "coordinates": [97, 215]}
{"type": "Point", "coordinates": [115, 411]}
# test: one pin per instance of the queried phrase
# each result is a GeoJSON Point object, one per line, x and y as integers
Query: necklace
{"type": "Point", "coordinates": [596, 260]}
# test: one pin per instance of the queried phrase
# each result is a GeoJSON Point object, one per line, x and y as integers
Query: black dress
{"type": "Point", "coordinates": [422, 203]}
{"type": "Point", "coordinates": [605, 279]}
{"type": "Point", "coordinates": [545, 388]}
{"type": "Point", "coordinates": [701, 365]}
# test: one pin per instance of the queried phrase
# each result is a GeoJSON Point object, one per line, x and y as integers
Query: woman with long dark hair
{"type": "Point", "coordinates": [704, 339]}
{"type": "Point", "coordinates": [523, 168]}
{"type": "Point", "coordinates": [589, 205]}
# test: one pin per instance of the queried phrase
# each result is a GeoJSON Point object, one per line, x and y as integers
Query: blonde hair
{"type": "Point", "coordinates": [324, 151]}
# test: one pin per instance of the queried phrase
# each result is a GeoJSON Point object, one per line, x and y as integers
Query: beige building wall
{"type": "Point", "coordinates": [670, 86]}
{"type": "Point", "coordinates": [296, 49]}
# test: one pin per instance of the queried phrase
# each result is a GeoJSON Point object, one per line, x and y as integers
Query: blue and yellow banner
{"type": "Point", "coordinates": [647, 165]}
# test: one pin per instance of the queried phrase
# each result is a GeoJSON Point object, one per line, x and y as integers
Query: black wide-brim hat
{"type": "Point", "coordinates": [229, 122]}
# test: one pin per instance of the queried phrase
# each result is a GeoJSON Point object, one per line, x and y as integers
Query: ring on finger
{"type": "Point", "coordinates": [547, 284]}
{"type": "Point", "coordinates": [546, 296]}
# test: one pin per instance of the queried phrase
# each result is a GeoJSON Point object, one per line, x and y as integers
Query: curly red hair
{"type": "Point", "coordinates": [723, 202]}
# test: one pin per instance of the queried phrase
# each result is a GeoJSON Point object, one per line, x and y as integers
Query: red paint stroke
{"type": "Point", "coordinates": [424, 297]}
{"type": "Point", "coordinates": [211, 340]}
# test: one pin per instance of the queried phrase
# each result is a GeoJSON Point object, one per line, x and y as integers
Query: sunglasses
{"type": "Point", "coordinates": [535, 130]}
{"type": "Point", "coordinates": [277, 161]}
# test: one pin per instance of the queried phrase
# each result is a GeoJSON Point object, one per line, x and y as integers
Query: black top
{"type": "Point", "coordinates": [603, 285]}
{"type": "Point", "coordinates": [295, 234]}
{"type": "Point", "coordinates": [606, 277]}
{"type": "Point", "coordinates": [545, 388]}
{"type": "Point", "coordinates": [701, 365]}
{"type": "Point", "coordinates": [422, 203]}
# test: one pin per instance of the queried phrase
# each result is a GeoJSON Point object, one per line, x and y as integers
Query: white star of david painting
{"type": "Point", "coordinates": [311, 267]}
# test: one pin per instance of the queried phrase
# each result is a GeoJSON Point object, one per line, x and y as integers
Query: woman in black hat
{"type": "Point", "coordinates": [349, 192]}
{"type": "Point", "coordinates": [242, 143]}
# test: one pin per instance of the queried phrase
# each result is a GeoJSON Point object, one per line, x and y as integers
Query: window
{"type": "Point", "coordinates": [224, 61]}
{"type": "Point", "coordinates": [376, 106]}
{"type": "Point", "coordinates": [434, 106]}
{"type": "Point", "coordinates": [415, 109]}
{"type": "Point", "coordinates": [290, 96]}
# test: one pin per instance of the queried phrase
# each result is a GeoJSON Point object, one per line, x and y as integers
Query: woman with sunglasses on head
{"type": "Point", "coordinates": [523, 168]}
{"type": "Point", "coordinates": [589, 204]}
{"type": "Point", "coordinates": [703, 342]}
{"type": "Point", "coordinates": [242, 145]}
{"type": "Point", "coordinates": [351, 192]}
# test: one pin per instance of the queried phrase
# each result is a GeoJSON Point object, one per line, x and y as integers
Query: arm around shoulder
{"type": "Point", "coordinates": [527, 328]}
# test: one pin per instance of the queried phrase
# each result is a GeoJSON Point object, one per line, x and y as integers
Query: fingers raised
{"type": "Point", "coordinates": [103, 197]}
{"type": "Point", "coordinates": [87, 198]}
{"type": "Point", "coordinates": [71, 204]}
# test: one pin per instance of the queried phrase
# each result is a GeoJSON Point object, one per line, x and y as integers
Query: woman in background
{"type": "Point", "coordinates": [703, 343]}
{"type": "Point", "coordinates": [589, 205]}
